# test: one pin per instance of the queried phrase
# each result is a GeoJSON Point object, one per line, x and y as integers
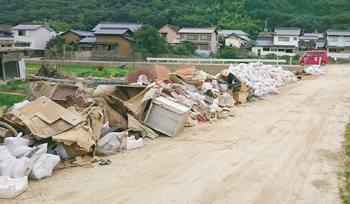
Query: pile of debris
{"type": "Point", "coordinates": [66, 124]}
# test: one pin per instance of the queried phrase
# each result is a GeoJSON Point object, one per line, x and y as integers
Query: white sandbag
{"type": "Point", "coordinates": [215, 84]}
{"type": "Point", "coordinates": [7, 166]}
{"type": "Point", "coordinates": [17, 145]}
{"type": "Point", "coordinates": [35, 153]}
{"type": "Point", "coordinates": [272, 90]}
{"type": "Point", "coordinates": [225, 100]}
{"type": "Point", "coordinates": [5, 154]}
{"type": "Point", "coordinates": [112, 143]}
{"type": "Point", "coordinates": [21, 168]}
{"type": "Point", "coordinates": [44, 166]}
{"type": "Point", "coordinates": [206, 86]}
{"type": "Point", "coordinates": [223, 88]}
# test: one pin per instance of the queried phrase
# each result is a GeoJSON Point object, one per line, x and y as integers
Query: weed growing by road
{"type": "Point", "coordinates": [345, 190]}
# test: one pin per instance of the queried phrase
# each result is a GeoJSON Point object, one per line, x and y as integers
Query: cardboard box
{"type": "Point", "coordinates": [240, 97]}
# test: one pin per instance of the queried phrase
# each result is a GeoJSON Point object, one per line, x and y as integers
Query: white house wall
{"type": "Point", "coordinates": [233, 43]}
{"type": "Point", "coordinates": [291, 41]}
{"type": "Point", "coordinates": [214, 43]}
{"type": "Point", "coordinates": [341, 42]}
{"type": "Point", "coordinates": [42, 36]}
{"type": "Point", "coordinates": [263, 53]}
{"type": "Point", "coordinates": [30, 37]}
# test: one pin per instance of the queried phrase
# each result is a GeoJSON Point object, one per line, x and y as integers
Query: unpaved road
{"type": "Point", "coordinates": [283, 149]}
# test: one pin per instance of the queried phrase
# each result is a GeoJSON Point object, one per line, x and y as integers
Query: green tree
{"type": "Point", "coordinates": [227, 53]}
{"type": "Point", "coordinates": [148, 40]}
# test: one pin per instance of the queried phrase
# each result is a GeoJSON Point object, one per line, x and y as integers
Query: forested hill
{"type": "Point", "coordinates": [248, 15]}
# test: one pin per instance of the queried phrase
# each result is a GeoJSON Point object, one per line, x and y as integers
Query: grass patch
{"type": "Point", "coordinates": [345, 190]}
{"type": "Point", "coordinates": [9, 99]}
{"type": "Point", "coordinates": [15, 86]}
{"type": "Point", "coordinates": [83, 70]}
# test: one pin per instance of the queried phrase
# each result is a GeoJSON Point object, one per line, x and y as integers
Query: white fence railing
{"type": "Point", "coordinates": [211, 61]}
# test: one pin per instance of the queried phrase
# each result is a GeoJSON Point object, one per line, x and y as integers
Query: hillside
{"type": "Point", "coordinates": [248, 15]}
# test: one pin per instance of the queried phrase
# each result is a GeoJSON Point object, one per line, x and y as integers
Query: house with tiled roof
{"type": "Point", "coordinates": [338, 43]}
{"type": "Point", "coordinates": [74, 36]}
{"type": "Point", "coordinates": [6, 38]}
{"type": "Point", "coordinates": [113, 37]}
{"type": "Point", "coordinates": [33, 36]}
{"type": "Point", "coordinates": [204, 38]}
{"type": "Point", "coordinates": [169, 32]}
{"type": "Point", "coordinates": [283, 41]}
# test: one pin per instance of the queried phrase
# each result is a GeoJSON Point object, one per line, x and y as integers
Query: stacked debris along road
{"type": "Point", "coordinates": [118, 118]}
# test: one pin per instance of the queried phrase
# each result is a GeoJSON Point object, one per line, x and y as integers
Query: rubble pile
{"type": "Point", "coordinates": [65, 126]}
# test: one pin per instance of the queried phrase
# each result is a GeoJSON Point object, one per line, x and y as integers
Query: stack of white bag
{"type": "Point", "coordinates": [263, 79]}
{"type": "Point", "coordinates": [18, 160]}
{"type": "Point", "coordinates": [315, 70]}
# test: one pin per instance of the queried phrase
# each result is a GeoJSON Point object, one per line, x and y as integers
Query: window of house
{"type": "Point", "coordinates": [281, 50]}
{"type": "Point", "coordinates": [273, 50]}
{"type": "Point", "coordinates": [192, 37]}
{"type": "Point", "coordinates": [205, 37]}
{"type": "Point", "coordinates": [332, 39]}
{"type": "Point", "coordinates": [295, 38]}
{"type": "Point", "coordinates": [266, 49]}
{"type": "Point", "coordinates": [289, 50]}
{"type": "Point", "coordinates": [22, 44]}
{"type": "Point", "coordinates": [315, 54]}
{"type": "Point", "coordinates": [164, 35]}
{"type": "Point", "coordinates": [203, 47]}
{"type": "Point", "coordinates": [21, 33]}
{"type": "Point", "coordinates": [182, 36]}
{"type": "Point", "coordinates": [347, 39]}
{"type": "Point", "coordinates": [98, 47]}
{"type": "Point", "coordinates": [110, 47]}
{"type": "Point", "coordinates": [286, 39]}
{"type": "Point", "coordinates": [86, 48]}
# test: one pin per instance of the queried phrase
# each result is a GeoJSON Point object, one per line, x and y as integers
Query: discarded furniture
{"type": "Point", "coordinates": [166, 116]}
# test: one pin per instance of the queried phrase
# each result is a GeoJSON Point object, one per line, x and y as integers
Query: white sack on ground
{"type": "Point", "coordinates": [261, 78]}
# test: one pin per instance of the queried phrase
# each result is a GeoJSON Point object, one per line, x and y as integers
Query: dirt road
{"type": "Point", "coordinates": [283, 149]}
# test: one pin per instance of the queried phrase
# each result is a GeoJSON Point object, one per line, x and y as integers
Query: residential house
{"type": "Point", "coordinates": [6, 41]}
{"type": "Point", "coordinates": [338, 43]}
{"type": "Point", "coordinates": [311, 41]}
{"type": "Point", "coordinates": [133, 27]}
{"type": "Point", "coordinates": [234, 38]}
{"type": "Point", "coordinates": [11, 63]}
{"type": "Point", "coordinates": [240, 33]}
{"type": "Point", "coordinates": [283, 41]}
{"type": "Point", "coordinates": [170, 32]}
{"type": "Point", "coordinates": [204, 38]}
{"type": "Point", "coordinates": [6, 38]}
{"type": "Point", "coordinates": [33, 36]}
{"type": "Point", "coordinates": [108, 38]}
{"type": "Point", "coordinates": [5, 30]}
{"type": "Point", "coordinates": [74, 36]}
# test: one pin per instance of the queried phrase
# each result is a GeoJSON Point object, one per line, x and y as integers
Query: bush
{"type": "Point", "coordinates": [252, 57]}
{"type": "Point", "coordinates": [296, 57]}
{"type": "Point", "coordinates": [227, 53]}
{"type": "Point", "coordinates": [270, 56]}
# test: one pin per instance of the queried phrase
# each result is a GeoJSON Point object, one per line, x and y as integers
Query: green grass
{"type": "Point", "coordinates": [345, 190]}
{"type": "Point", "coordinates": [9, 99]}
{"type": "Point", "coordinates": [83, 70]}
{"type": "Point", "coordinates": [15, 85]}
